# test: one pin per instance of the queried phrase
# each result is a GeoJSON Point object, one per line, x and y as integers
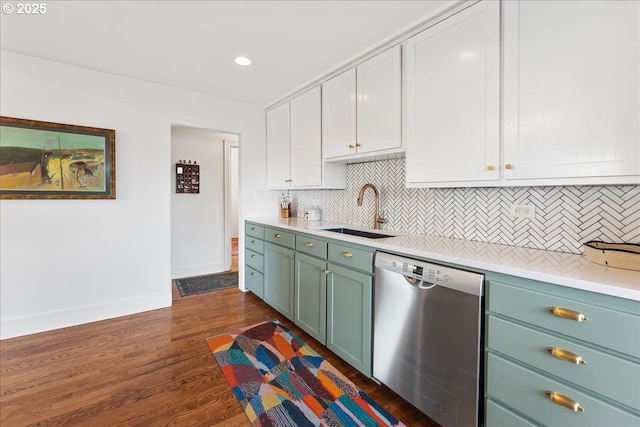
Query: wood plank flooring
{"type": "Point", "coordinates": [148, 369]}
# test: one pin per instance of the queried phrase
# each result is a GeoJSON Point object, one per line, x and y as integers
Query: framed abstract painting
{"type": "Point", "coordinates": [44, 160]}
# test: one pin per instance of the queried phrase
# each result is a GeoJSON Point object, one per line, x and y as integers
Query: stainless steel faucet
{"type": "Point", "coordinates": [377, 219]}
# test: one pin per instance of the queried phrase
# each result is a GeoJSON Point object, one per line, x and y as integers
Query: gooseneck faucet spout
{"type": "Point", "coordinates": [377, 219]}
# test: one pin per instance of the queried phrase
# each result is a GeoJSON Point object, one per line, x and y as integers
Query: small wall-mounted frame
{"type": "Point", "coordinates": [187, 178]}
{"type": "Point", "coordinates": [44, 160]}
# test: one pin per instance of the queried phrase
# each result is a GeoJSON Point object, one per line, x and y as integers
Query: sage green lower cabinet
{"type": "Point", "coordinates": [349, 306]}
{"type": "Point", "coordinates": [557, 356]}
{"type": "Point", "coordinates": [311, 295]}
{"type": "Point", "coordinates": [279, 278]}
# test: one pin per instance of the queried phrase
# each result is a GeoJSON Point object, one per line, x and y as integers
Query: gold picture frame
{"type": "Point", "coordinates": [45, 160]}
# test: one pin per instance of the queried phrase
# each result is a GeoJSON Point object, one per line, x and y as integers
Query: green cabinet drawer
{"type": "Point", "coordinates": [254, 281]}
{"type": "Point", "coordinates": [254, 230]}
{"type": "Point", "coordinates": [526, 390]}
{"type": "Point", "coordinates": [254, 260]}
{"type": "Point", "coordinates": [256, 245]}
{"type": "Point", "coordinates": [280, 237]}
{"type": "Point", "coordinates": [311, 246]}
{"type": "Point", "coordinates": [351, 257]}
{"type": "Point", "coordinates": [605, 327]}
{"type": "Point", "coordinates": [498, 416]}
{"type": "Point", "coordinates": [602, 373]}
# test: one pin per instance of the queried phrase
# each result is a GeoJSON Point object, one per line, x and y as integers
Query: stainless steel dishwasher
{"type": "Point", "coordinates": [427, 330]}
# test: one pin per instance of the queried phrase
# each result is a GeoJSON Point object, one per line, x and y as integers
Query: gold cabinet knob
{"type": "Point", "coordinates": [565, 401]}
{"type": "Point", "coordinates": [253, 274]}
{"type": "Point", "coordinates": [325, 271]}
{"type": "Point", "coordinates": [308, 244]}
{"type": "Point", "coordinates": [352, 146]}
{"type": "Point", "coordinates": [508, 166]}
{"type": "Point", "coordinates": [290, 257]}
{"type": "Point", "coordinates": [253, 229]}
{"type": "Point", "coordinates": [490, 168]}
{"type": "Point", "coordinates": [357, 144]}
{"type": "Point", "coordinates": [253, 255]}
{"type": "Point", "coordinates": [347, 254]}
{"type": "Point", "coordinates": [253, 242]}
{"type": "Point", "coordinates": [277, 235]}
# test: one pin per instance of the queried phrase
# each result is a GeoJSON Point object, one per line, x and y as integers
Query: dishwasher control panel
{"type": "Point", "coordinates": [454, 278]}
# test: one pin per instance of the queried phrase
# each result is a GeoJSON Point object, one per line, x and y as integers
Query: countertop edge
{"type": "Point", "coordinates": [569, 270]}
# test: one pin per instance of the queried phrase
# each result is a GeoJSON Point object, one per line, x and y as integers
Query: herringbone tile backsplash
{"type": "Point", "coordinates": [565, 217]}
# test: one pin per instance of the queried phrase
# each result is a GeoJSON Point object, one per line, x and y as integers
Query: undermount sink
{"type": "Point", "coordinates": [359, 233]}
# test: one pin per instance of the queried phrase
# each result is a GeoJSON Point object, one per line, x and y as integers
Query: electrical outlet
{"type": "Point", "coordinates": [523, 211]}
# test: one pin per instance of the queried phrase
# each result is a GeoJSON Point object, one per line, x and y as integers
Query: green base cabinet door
{"type": "Point", "coordinates": [349, 302]}
{"type": "Point", "coordinates": [311, 296]}
{"type": "Point", "coordinates": [279, 279]}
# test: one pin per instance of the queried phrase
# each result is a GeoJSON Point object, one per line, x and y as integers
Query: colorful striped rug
{"type": "Point", "coordinates": [280, 381]}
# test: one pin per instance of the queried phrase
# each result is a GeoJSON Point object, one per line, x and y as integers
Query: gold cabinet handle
{"type": "Point", "coordinates": [566, 355]}
{"type": "Point", "coordinates": [308, 244]}
{"type": "Point", "coordinates": [325, 271]}
{"type": "Point", "coordinates": [290, 257]}
{"type": "Point", "coordinates": [566, 313]}
{"type": "Point", "coordinates": [565, 401]}
{"type": "Point", "coordinates": [253, 242]}
{"type": "Point", "coordinates": [277, 235]}
{"type": "Point", "coordinates": [352, 146]}
{"type": "Point", "coordinates": [253, 274]}
{"type": "Point", "coordinates": [508, 166]}
{"type": "Point", "coordinates": [490, 167]}
{"type": "Point", "coordinates": [347, 254]}
{"type": "Point", "coordinates": [358, 144]}
{"type": "Point", "coordinates": [253, 229]}
{"type": "Point", "coordinates": [253, 255]}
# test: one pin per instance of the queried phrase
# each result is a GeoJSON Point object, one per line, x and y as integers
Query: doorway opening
{"type": "Point", "coordinates": [231, 191]}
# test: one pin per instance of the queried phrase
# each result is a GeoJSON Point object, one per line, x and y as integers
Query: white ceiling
{"type": "Point", "coordinates": [192, 44]}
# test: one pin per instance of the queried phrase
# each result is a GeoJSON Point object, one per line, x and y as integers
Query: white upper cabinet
{"type": "Point", "coordinates": [306, 142]}
{"type": "Point", "coordinates": [453, 99]}
{"type": "Point", "coordinates": [339, 115]}
{"type": "Point", "coordinates": [278, 147]}
{"type": "Point", "coordinates": [361, 109]}
{"type": "Point", "coordinates": [379, 102]}
{"type": "Point", "coordinates": [294, 146]}
{"type": "Point", "coordinates": [572, 91]}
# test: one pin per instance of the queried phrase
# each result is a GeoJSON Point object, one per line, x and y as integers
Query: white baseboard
{"type": "Point", "coordinates": [15, 327]}
{"type": "Point", "coordinates": [197, 270]}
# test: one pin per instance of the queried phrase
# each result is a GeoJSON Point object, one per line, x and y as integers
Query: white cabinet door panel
{"type": "Point", "coordinates": [306, 152]}
{"type": "Point", "coordinates": [572, 88]}
{"type": "Point", "coordinates": [339, 115]}
{"type": "Point", "coordinates": [379, 102]}
{"type": "Point", "coordinates": [278, 150]}
{"type": "Point", "coordinates": [453, 98]}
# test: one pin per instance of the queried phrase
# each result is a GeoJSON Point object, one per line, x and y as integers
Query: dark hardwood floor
{"type": "Point", "coordinates": [148, 369]}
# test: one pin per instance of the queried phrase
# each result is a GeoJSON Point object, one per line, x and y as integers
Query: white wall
{"type": "Point", "coordinates": [197, 220]}
{"type": "Point", "coordinates": [66, 262]}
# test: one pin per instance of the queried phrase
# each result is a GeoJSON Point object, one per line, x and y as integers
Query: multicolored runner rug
{"type": "Point", "coordinates": [280, 381]}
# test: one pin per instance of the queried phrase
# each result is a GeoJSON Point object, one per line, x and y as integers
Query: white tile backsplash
{"type": "Point", "coordinates": [565, 217]}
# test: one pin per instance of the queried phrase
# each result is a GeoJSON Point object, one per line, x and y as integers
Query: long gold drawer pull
{"type": "Point", "coordinates": [566, 355]}
{"type": "Point", "coordinates": [347, 254]}
{"type": "Point", "coordinates": [566, 313]}
{"type": "Point", "coordinates": [277, 235]}
{"type": "Point", "coordinates": [565, 401]}
{"type": "Point", "coordinates": [308, 244]}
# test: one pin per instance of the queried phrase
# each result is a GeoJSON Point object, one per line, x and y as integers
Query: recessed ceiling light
{"type": "Point", "coordinates": [241, 60]}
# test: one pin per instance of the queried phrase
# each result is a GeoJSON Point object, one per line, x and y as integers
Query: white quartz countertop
{"type": "Point", "coordinates": [559, 268]}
